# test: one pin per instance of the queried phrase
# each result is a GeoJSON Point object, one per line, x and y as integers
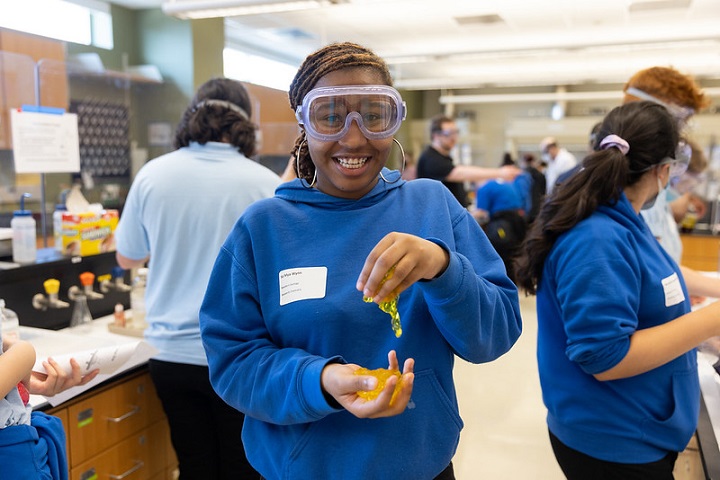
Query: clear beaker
{"type": "Point", "coordinates": [81, 316]}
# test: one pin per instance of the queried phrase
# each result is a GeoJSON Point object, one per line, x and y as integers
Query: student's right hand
{"type": "Point", "coordinates": [340, 381]}
{"type": "Point", "coordinates": [413, 258]}
{"type": "Point", "coordinates": [56, 379]}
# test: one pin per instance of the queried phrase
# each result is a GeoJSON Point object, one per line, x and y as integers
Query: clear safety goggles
{"type": "Point", "coordinates": [681, 114]}
{"type": "Point", "coordinates": [679, 164]}
{"type": "Point", "coordinates": [327, 112]}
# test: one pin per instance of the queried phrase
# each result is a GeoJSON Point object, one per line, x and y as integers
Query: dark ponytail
{"type": "Point", "coordinates": [652, 136]}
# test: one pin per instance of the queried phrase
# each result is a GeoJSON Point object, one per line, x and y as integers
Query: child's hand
{"type": "Point", "coordinates": [342, 384]}
{"type": "Point", "coordinates": [56, 379]}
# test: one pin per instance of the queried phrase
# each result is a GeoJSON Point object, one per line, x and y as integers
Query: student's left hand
{"type": "Point", "coordinates": [56, 379]}
{"type": "Point", "coordinates": [414, 258]}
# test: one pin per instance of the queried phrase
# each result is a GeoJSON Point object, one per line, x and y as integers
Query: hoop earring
{"type": "Point", "coordinates": [297, 167]}
{"type": "Point", "coordinates": [402, 152]}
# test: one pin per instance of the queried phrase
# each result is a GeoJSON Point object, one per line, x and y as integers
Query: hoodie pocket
{"type": "Point", "coordinates": [418, 443]}
{"type": "Point", "coordinates": [673, 432]}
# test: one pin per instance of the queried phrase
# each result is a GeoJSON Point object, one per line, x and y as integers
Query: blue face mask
{"type": "Point", "coordinates": [659, 200]}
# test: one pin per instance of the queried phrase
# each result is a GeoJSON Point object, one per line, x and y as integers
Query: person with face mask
{"type": "Point", "coordinates": [616, 337]}
{"type": "Point", "coordinates": [682, 97]}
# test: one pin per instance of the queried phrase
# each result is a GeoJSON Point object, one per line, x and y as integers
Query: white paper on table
{"type": "Point", "coordinates": [107, 359]}
{"type": "Point", "coordinates": [111, 360]}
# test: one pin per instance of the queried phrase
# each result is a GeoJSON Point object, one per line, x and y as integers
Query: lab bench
{"type": "Point", "coordinates": [115, 426]}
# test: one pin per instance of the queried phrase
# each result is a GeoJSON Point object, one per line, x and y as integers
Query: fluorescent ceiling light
{"type": "Point", "coordinates": [557, 96]}
{"type": "Point", "coordinates": [194, 9]}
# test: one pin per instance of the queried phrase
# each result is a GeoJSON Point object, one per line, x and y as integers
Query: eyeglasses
{"type": "Point", "coordinates": [327, 112]}
{"type": "Point", "coordinates": [681, 114]}
{"type": "Point", "coordinates": [449, 133]}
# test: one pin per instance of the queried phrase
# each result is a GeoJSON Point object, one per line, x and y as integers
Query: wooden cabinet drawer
{"type": "Point", "coordinates": [98, 422]}
{"type": "Point", "coordinates": [142, 456]}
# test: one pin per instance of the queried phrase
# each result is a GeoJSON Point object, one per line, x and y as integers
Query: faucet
{"type": "Point", "coordinates": [86, 280]}
{"type": "Point", "coordinates": [114, 281]}
{"type": "Point", "coordinates": [42, 302]}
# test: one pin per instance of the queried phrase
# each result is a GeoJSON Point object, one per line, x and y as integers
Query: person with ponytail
{"type": "Point", "coordinates": [291, 310]}
{"type": "Point", "coordinates": [179, 210]}
{"type": "Point", "coordinates": [616, 339]}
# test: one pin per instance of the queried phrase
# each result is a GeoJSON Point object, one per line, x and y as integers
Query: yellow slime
{"type": "Point", "coordinates": [382, 375]}
{"type": "Point", "coordinates": [389, 306]}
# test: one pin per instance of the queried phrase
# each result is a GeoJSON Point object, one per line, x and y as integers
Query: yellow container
{"type": "Point", "coordinates": [89, 233]}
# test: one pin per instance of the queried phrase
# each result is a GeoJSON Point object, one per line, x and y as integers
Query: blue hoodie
{"type": "Point", "coordinates": [281, 304]}
{"type": "Point", "coordinates": [603, 280]}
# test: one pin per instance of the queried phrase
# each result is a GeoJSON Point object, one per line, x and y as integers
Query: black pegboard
{"type": "Point", "coordinates": [104, 136]}
{"type": "Point", "coordinates": [19, 285]}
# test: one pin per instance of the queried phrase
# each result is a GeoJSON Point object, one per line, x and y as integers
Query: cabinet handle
{"type": "Point", "coordinates": [138, 465]}
{"type": "Point", "coordinates": [136, 409]}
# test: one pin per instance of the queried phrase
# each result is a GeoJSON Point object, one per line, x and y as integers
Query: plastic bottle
{"type": "Point", "coordinates": [60, 208]}
{"type": "Point", "coordinates": [24, 230]}
{"type": "Point", "coordinates": [10, 325]}
{"type": "Point", "coordinates": [137, 297]}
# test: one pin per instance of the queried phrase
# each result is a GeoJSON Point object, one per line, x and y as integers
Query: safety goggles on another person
{"type": "Point", "coordinates": [327, 112]}
{"type": "Point", "coordinates": [680, 113]}
{"type": "Point", "coordinates": [678, 163]}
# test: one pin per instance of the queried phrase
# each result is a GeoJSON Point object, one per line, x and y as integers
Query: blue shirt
{"type": "Point", "coordinates": [496, 195]}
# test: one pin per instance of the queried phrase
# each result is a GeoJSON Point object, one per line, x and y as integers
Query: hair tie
{"type": "Point", "coordinates": [223, 103]}
{"type": "Point", "coordinates": [614, 141]}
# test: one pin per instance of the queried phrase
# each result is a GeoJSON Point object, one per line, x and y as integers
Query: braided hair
{"type": "Point", "coordinates": [335, 56]}
{"type": "Point", "coordinates": [204, 121]}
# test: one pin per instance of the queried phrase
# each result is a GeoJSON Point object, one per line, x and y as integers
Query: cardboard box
{"type": "Point", "coordinates": [89, 233]}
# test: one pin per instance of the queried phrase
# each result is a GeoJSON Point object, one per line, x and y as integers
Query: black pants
{"type": "Point", "coordinates": [447, 474]}
{"type": "Point", "coordinates": [205, 431]}
{"type": "Point", "coordinates": [578, 466]}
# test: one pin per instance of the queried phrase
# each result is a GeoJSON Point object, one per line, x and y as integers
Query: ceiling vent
{"type": "Point", "coordinates": [492, 19]}
{"type": "Point", "coordinates": [658, 5]}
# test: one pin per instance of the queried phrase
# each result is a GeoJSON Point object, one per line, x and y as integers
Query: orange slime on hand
{"type": "Point", "coordinates": [382, 375]}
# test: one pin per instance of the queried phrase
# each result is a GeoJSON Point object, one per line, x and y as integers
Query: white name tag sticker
{"type": "Point", "coordinates": [673, 290]}
{"type": "Point", "coordinates": [302, 284]}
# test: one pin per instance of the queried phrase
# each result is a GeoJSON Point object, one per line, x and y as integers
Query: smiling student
{"type": "Point", "coordinates": [284, 323]}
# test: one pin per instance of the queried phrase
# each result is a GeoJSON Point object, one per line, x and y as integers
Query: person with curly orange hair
{"type": "Point", "coordinates": [681, 95]}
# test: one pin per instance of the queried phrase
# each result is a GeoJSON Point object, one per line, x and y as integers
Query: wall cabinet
{"type": "Point", "coordinates": [118, 431]}
{"type": "Point", "coordinates": [16, 91]}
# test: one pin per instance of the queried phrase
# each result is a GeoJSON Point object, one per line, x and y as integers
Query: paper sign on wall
{"type": "Point", "coordinates": [45, 142]}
